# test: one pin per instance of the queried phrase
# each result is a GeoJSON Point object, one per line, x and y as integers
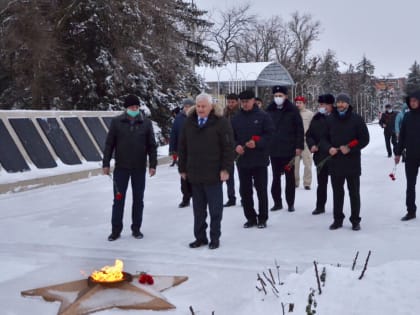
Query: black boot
{"type": "Point", "coordinates": [409, 216]}
{"type": "Point", "coordinates": [230, 203]}
{"type": "Point", "coordinates": [336, 225]}
{"type": "Point", "coordinates": [184, 204]}
{"type": "Point", "coordinates": [318, 211]}
{"type": "Point", "coordinates": [276, 207]}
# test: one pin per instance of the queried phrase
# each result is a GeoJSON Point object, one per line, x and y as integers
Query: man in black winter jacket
{"type": "Point", "coordinates": [132, 139]}
{"type": "Point", "coordinates": [409, 140]}
{"type": "Point", "coordinates": [252, 129]}
{"type": "Point", "coordinates": [314, 134]}
{"type": "Point", "coordinates": [387, 122]}
{"type": "Point", "coordinates": [205, 158]}
{"type": "Point", "coordinates": [345, 137]}
{"type": "Point", "coordinates": [287, 143]}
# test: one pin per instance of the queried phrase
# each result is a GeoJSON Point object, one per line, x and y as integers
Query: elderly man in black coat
{"type": "Point", "coordinates": [205, 156]}
{"type": "Point", "coordinates": [252, 129]}
{"type": "Point", "coordinates": [345, 137]}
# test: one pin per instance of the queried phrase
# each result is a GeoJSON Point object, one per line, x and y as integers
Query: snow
{"type": "Point", "coordinates": [52, 233]}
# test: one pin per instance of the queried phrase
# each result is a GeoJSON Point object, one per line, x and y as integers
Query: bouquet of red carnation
{"type": "Point", "coordinates": [253, 138]}
{"type": "Point", "coordinates": [145, 278]}
{"type": "Point", "coordinates": [289, 166]}
{"type": "Point", "coordinates": [392, 174]}
{"type": "Point", "coordinates": [118, 195]}
{"type": "Point", "coordinates": [353, 143]}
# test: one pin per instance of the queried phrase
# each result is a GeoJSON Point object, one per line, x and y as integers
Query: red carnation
{"type": "Point", "coordinates": [392, 176]}
{"type": "Point", "coordinates": [287, 168]}
{"type": "Point", "coordinates": [145, 278]}
{"type": "Point", "coordinates": [118, 196]}
{"type": "Point", "coordinates": [256, 138]}
{"type": "Point", "coordinates": [353, 143]}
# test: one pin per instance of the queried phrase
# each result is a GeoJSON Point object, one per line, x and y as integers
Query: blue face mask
{"type": "Point", "coordinates": [343, 113]}
{"type": "Point", "coordinates": [322, 110]}
{"type": "Point", "coordinates": [133, 113]}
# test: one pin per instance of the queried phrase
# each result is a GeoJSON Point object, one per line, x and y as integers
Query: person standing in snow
{"type": "Point", "coordinates": [345, 127]}
{"type": "Point", "coordinates": [205, 158]}
{"type": "Point", "coordinates": [316, 131]}
{"type": "Point", "coordinates": [132, 139]}
{"type": "Point", "coordinates": [252, 129]}
{"type": "Point", "coordinates": [179, 121]}
{"type": "Point", "coordinates": [398, 123]}
{"type": "Point", "coordinates": [387, 122]}
{"type": "Point", "coordinates": [306, 115]}
{"type": "Point", "coordinates": [287, 143]}
{"type": "Point", "coordinates": [410, 141]}
{"type": "Point", "coordinates": [231, 109]}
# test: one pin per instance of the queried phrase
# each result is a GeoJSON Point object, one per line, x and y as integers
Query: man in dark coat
{"type": "Point", "coordinates": [173, 148]}
{"type": "Point", "coordinates": [345, 137]}
{"type": "Point", "coordinates": [387, 122]}
{"type": "Point", "coordinates": [231, 109]}
{"type": "Point", "coordinates": [314, 134]}
{"type": "Point", "coordinates": [205, 156]}
{"type": "Point", "coordinates": [409, 140]}
{"type": "Point", "coordinates": [132, 139]}
{"type": "Point", "coordinates": [287, 143]}
{"type": "Point", "coordinates": [252, 129]}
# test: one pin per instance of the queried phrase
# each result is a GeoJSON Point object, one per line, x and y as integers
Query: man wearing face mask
{"type": "Point", "coordinates": [345, 127]}
{"type": "Point", "coordinates": [316, 130]}
{"type": "Point", "coordinates": [287, 143]}
{"type": "Point", "coordinates": [132, 139]}
{"type": "Point", "coordinates": [387, 122]}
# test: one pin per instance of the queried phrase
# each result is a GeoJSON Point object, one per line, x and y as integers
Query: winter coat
{"type": "Point", "coordinates": [230, 113]}
{"type": "Point", "coordinates": [387, 122]}
{"type": "Point", "coordinates": [399, 118]}
{"type": "Point", "coordinates": [132, 140]}
{"type": "Point", "coordinates": [205, 151]}
{"type": "Point", "coordinates": [176, 131]}
{"type": "Point", "coordinates": [409, 138]}
{"type": "Point", "coordinates": [307, 116]}
{"type": "Point", "coordinates": [253, 123]}
{"type": "Point", "coordinates": [317, 129]}
{"type": "Point", "coordinates": [340, 131]}
{"type": "Point", "coordinates": [288, 134]}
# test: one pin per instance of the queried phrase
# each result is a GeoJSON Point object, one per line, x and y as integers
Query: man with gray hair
{"type": "Point", "coordinates": [205, 156]}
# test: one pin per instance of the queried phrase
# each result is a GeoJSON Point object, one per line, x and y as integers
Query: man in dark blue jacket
{"type": "Point", "coordinates": [410, 141]}
{"type": "Point", "coordinates": [252, 129]}
{"type": "Point", "coordinates": [287, 143]}
{"type": "Point", "coordinates": [173, 148]}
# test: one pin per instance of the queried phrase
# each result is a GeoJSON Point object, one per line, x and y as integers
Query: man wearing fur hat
{"type": "Point", "coordinates": [205, 158]}
{"type": "Point", "coordinates": [306, 115]}
{"type": "Point", "coordinates": [316, 130]}
{"type": "Point", "coordinates": [132, 139]}
{"type": "Point", "coordinates": [287, 143]}
{"type": "Point", "coordinates": [345, 137]}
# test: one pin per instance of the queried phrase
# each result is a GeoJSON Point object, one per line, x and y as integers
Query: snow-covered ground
{"type": "Point", "coordinates": [50, 235]}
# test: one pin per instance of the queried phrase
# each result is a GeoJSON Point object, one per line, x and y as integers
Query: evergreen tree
{"type": "Point", "coordinates": [413, 79]}
{"type": "Point", "coordinates": [328, 74]}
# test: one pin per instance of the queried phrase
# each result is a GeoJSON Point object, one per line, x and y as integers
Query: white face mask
{"type": "Point", "coordinates": [279, 101]}
{"type": "Point", "coordinates": [389, 110]}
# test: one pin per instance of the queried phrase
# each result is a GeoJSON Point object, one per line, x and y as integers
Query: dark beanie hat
{"type": "Point", "coordinates": [416, 95]}
{"type": "Point", "coordinates": [232, 96]}
{"type": "Point", "coordinates": [188, 102]}
{"type": "Point", "coordinates": [246, 95]}
{"type": "Point", "coordinates": [279, 89]}
{"type": "Point", "coordinates": [343, 97]}
{"type": "Point", "coordinates": [131, 100]}
{"type": "Point", "coordinates": [326, 99]}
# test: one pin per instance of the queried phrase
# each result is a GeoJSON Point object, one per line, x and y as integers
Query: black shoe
{"type": "Point", "coordinates": [249, 224]}
{"type": "Point", "coordinates": [137, 234]}
{"type": "Point", "coordinates": [262, 225]}
{"type": "Point", "coordinates": [318, 211]}
{"type": "Point", "coordinates": [408, 216]}
{"type": "Point", "coordinates": [184, 204]}
{"type": "Point", "coordinates": [276, 208]}
{"type": "Point", "coordinates": [198, 243]}
{"type": "Point", "coordinates": [214, 244]}
{"type": "Point", "coordinates": [390, 155]}
{"type": "Point", "coordinates": [230, 203]}
{"type": "Point", "coordinates": [356, 227]}
{"type": "Point", "coordinates": [174, 162]}
{"type": "Point", "coordinates": [307, 188]}
{"type": "Point", "coordinates": [291, 209]}
{"type": "Point", "coordinates": [113, 237]}
{"type": "Point", "coordinates": [336, 225]}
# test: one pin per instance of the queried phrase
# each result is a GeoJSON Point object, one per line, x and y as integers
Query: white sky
{"type": "Point", "coordinates": [387, 33]}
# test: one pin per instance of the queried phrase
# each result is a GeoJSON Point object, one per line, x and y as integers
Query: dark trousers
{"type": "Point", "coordinates": [186, 190]}
{"type": "Point", "coordinates": [353, 185]}
{"type": "Point", "coordinates": [321, 190]}
{"type": "Point", "coordinates": [390, 137]}
{"type": "Point", "coordinates": [211, 195]}
{"type": "Point", "coordinates": [138, 180]}
{"type": "Point", "coordinates": [230, 183]}
{"type": "Point", "coordinates": [254, 177]}
{"type": "Point", "coordinates": [277, 165]}
{"type": "Point", "coordinates": [411, 172]}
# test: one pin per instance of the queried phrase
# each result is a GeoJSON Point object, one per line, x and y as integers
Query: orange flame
{"type": "Point", "coordinates": [109, 273]}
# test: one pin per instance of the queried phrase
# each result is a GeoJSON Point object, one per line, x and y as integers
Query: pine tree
{"type": "Point", "coordinates": [413, 79]}
{"type": "Point", "coordinates": [328, 74]}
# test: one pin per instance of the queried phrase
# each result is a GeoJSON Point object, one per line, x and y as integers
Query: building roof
{"type": "Point", "coordinates": [257, 73]}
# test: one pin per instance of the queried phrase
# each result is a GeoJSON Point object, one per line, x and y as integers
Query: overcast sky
{"type": "Point", "coordinates": [388, 33]}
